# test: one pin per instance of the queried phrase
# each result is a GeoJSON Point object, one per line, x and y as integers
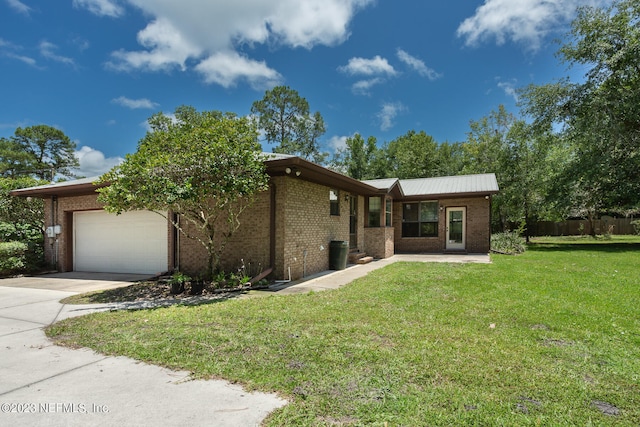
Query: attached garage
{"type": "Point", "coordinates": [133, 242]}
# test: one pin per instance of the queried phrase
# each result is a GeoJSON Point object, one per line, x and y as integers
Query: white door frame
{"type": "Point", "coordinates": [456, 244]}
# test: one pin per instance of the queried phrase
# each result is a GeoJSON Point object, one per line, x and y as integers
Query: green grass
{"type": "Point", "coordinates": [534, 339]}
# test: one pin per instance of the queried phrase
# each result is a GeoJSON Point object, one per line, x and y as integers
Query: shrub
{"type": "Point", "coordinates": [636, 226]}
{"type": "Point", "coordinates": [509, 242]}
{"type": "Point", "coordinates": [12, 257]}
{"type": "Point", "coordinates": [29, 235]}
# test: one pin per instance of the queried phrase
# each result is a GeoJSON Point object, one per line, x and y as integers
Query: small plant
{"type": "Point", "coordinates": [509, 242]}
{"type": "Point", "coordinates": [178, 281]}
{"type": "Point", "coordinates": [197, 285]}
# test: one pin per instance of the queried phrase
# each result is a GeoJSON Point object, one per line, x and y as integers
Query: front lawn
{"type": "Point", "coordinates": [551, 337]}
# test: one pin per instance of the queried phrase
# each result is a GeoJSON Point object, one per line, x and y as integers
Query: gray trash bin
{"type": "Point", "coordinates": [338, 252]}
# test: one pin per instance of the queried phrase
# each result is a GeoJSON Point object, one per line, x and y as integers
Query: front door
{"type": "Point", "coordinates": [353, 222]}
{"type": "Point", "coordinates": [456, 229]}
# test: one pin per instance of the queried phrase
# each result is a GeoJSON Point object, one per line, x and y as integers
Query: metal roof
{"type": "Point", "coordinates": [54, 187]}
{"type": "Point", "coordinates": [482, 184]}
{"type": "Point", "coordinates": [443, 185]}
{"type": "Point", "coordinates": [276, 156]}
{"type": "Point", "coordinates": [382, 184]}
{"type": "Point", "coordinates": [463, 184]}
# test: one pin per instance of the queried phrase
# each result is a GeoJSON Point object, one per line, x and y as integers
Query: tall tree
{"type": "Point", "coordinates": [284, 117]}
{"type": "Point", "coordinates": [14, 160]}
{"type": "Point", "coordinates": [413, 155]}
{"type": "Point", "coordinates": [517, 153]}
{"type": "Point", "coordinates": [599, 117]}
{"type": "Point", "coordinates": [204, 166]}
{"type": "Point", "coordinates": [50, 152]}
{"type": "Point", "coordinates": [357, 157]}
{"type": "Point", "coordinates": [450, 158]}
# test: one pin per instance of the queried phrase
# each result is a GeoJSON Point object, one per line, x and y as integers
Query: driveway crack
{"type": "Point", "coordinates": [53, 376]}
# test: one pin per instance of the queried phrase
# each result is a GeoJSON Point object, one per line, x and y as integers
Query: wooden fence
{"type": "Point", "coordinates": [577, 227]}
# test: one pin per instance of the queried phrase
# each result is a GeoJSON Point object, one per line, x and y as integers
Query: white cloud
{"type": "Point", "coordinates": [100, 7]}
{"type": "Point", "coordinates": [521, 21]}
{"type": "Point", "coordinates": [27, 60]}
{"type": "Point", "coordinates": [226, 68]}
{"type": "Point", "coordinates": [167, 48]}
{"type": "Point", "coordinates": [142, 103]}
{"type": "Point", "coordinates": [417, 65]}
{"type": "Point", "coordinates": [81, 43]}
{"type": "Point", "coordinates": [509, 88]}
{"type": "Point", "coordinates": [337, 143]}
{"type": "Point", "coordinates": [48, 49]}
{"type": "Point", "coordinates": [93, 162]}
{"type": "Point", "coordinates": [368, 67]}
{"type": "Point", "coordinates": [19, 7]}
{"type": "Point", "coordinates": [9, 50]}
{"type": "Point", "coordinates": [388, 114]}
{"type": "Point", "coordinates": [363, 87]}
{"type": "Point", "coordinates": [212, 32]}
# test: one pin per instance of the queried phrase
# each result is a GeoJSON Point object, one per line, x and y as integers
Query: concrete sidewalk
{"type": "Point", "coordinates": [336, 279]}
{"type": "Point", "coordinates": [42, 384]}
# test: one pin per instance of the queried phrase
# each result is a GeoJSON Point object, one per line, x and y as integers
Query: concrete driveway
{"type": "Point", "coordinates": [44, 384]}
{"type": "Point", "coordinates": [74, 281]}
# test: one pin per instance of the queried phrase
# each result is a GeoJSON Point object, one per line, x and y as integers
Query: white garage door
{"type": "Point", "coordinates": [133, 242]}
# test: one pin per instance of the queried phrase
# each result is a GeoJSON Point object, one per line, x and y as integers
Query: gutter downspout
{"type": "Point", "coordinates": [272, 227]}
{"type": "Point", "coordinates": [272, 239]}
{"type": "Point", "coordinates": [54, 239]}
{"type": "Point", "coordinates": [176, 242]}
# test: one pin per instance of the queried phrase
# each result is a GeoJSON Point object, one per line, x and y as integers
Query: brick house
{"type": "Point", "coordinates": [289, 229]}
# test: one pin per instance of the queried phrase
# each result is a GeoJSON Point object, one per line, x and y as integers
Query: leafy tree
{"type": "Point", "coordinates": [413, 155]}
{"type": "Point", "coordinates": [204, 166]}
{"type": "Point", "coordinates": [284, 117]}
{"type": "Point", "coordinates": [450, 158]}
{"type": "Point", "coordinates": [519, 156]}
{"type": "Point", "coordinates": [599, 117]}
{"type": "Point", "coordinates": [357, 157]}
{"type": "Point", "coordinates": [42, 151]}
{"type": "Point", "coordinates": [14, 160]}
{"type": "Point", "coordinates": [22, 219]}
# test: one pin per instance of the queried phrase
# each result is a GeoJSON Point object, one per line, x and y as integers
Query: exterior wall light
{"type": "Point", "coordinates": [295, 171]}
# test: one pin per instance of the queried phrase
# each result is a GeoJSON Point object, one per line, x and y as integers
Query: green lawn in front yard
{"type": "Point", "coordinates": [550, 337]}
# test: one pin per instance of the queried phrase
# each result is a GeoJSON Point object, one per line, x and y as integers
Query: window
{"type": "Point", "coordinates": [375, 207]}
{"type": "Point", "coordinates": [334, 202]}
{"type": "Point", "coordinates": [387, 212]}
{"type": "Point", "coordinates": [420, 219]}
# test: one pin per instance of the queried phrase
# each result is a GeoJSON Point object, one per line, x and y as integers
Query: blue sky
{"type": "Point", "coordinates": [97, 69]}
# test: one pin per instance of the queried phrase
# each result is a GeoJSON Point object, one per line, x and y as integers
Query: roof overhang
{"type": "Point", "coordinates": [291, 166]}
{"type": "Point", "coordinates": [296, 167]}
{"type": "Point", "coordinates": [434, 196]}
{"type": "Point", "coordinates": [79, 187]}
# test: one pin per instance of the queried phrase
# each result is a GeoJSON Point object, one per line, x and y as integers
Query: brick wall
{"type": "Point", "coordinates": [478, 234]}
{"type": "Point", "coordinates": [305, 226]}
{"type": "Point", "coordinates": [303, 230]}
{"type": "Point", "coordinates": [249, 245]}
{"type": "Point", "coordinates": [379, 242]}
